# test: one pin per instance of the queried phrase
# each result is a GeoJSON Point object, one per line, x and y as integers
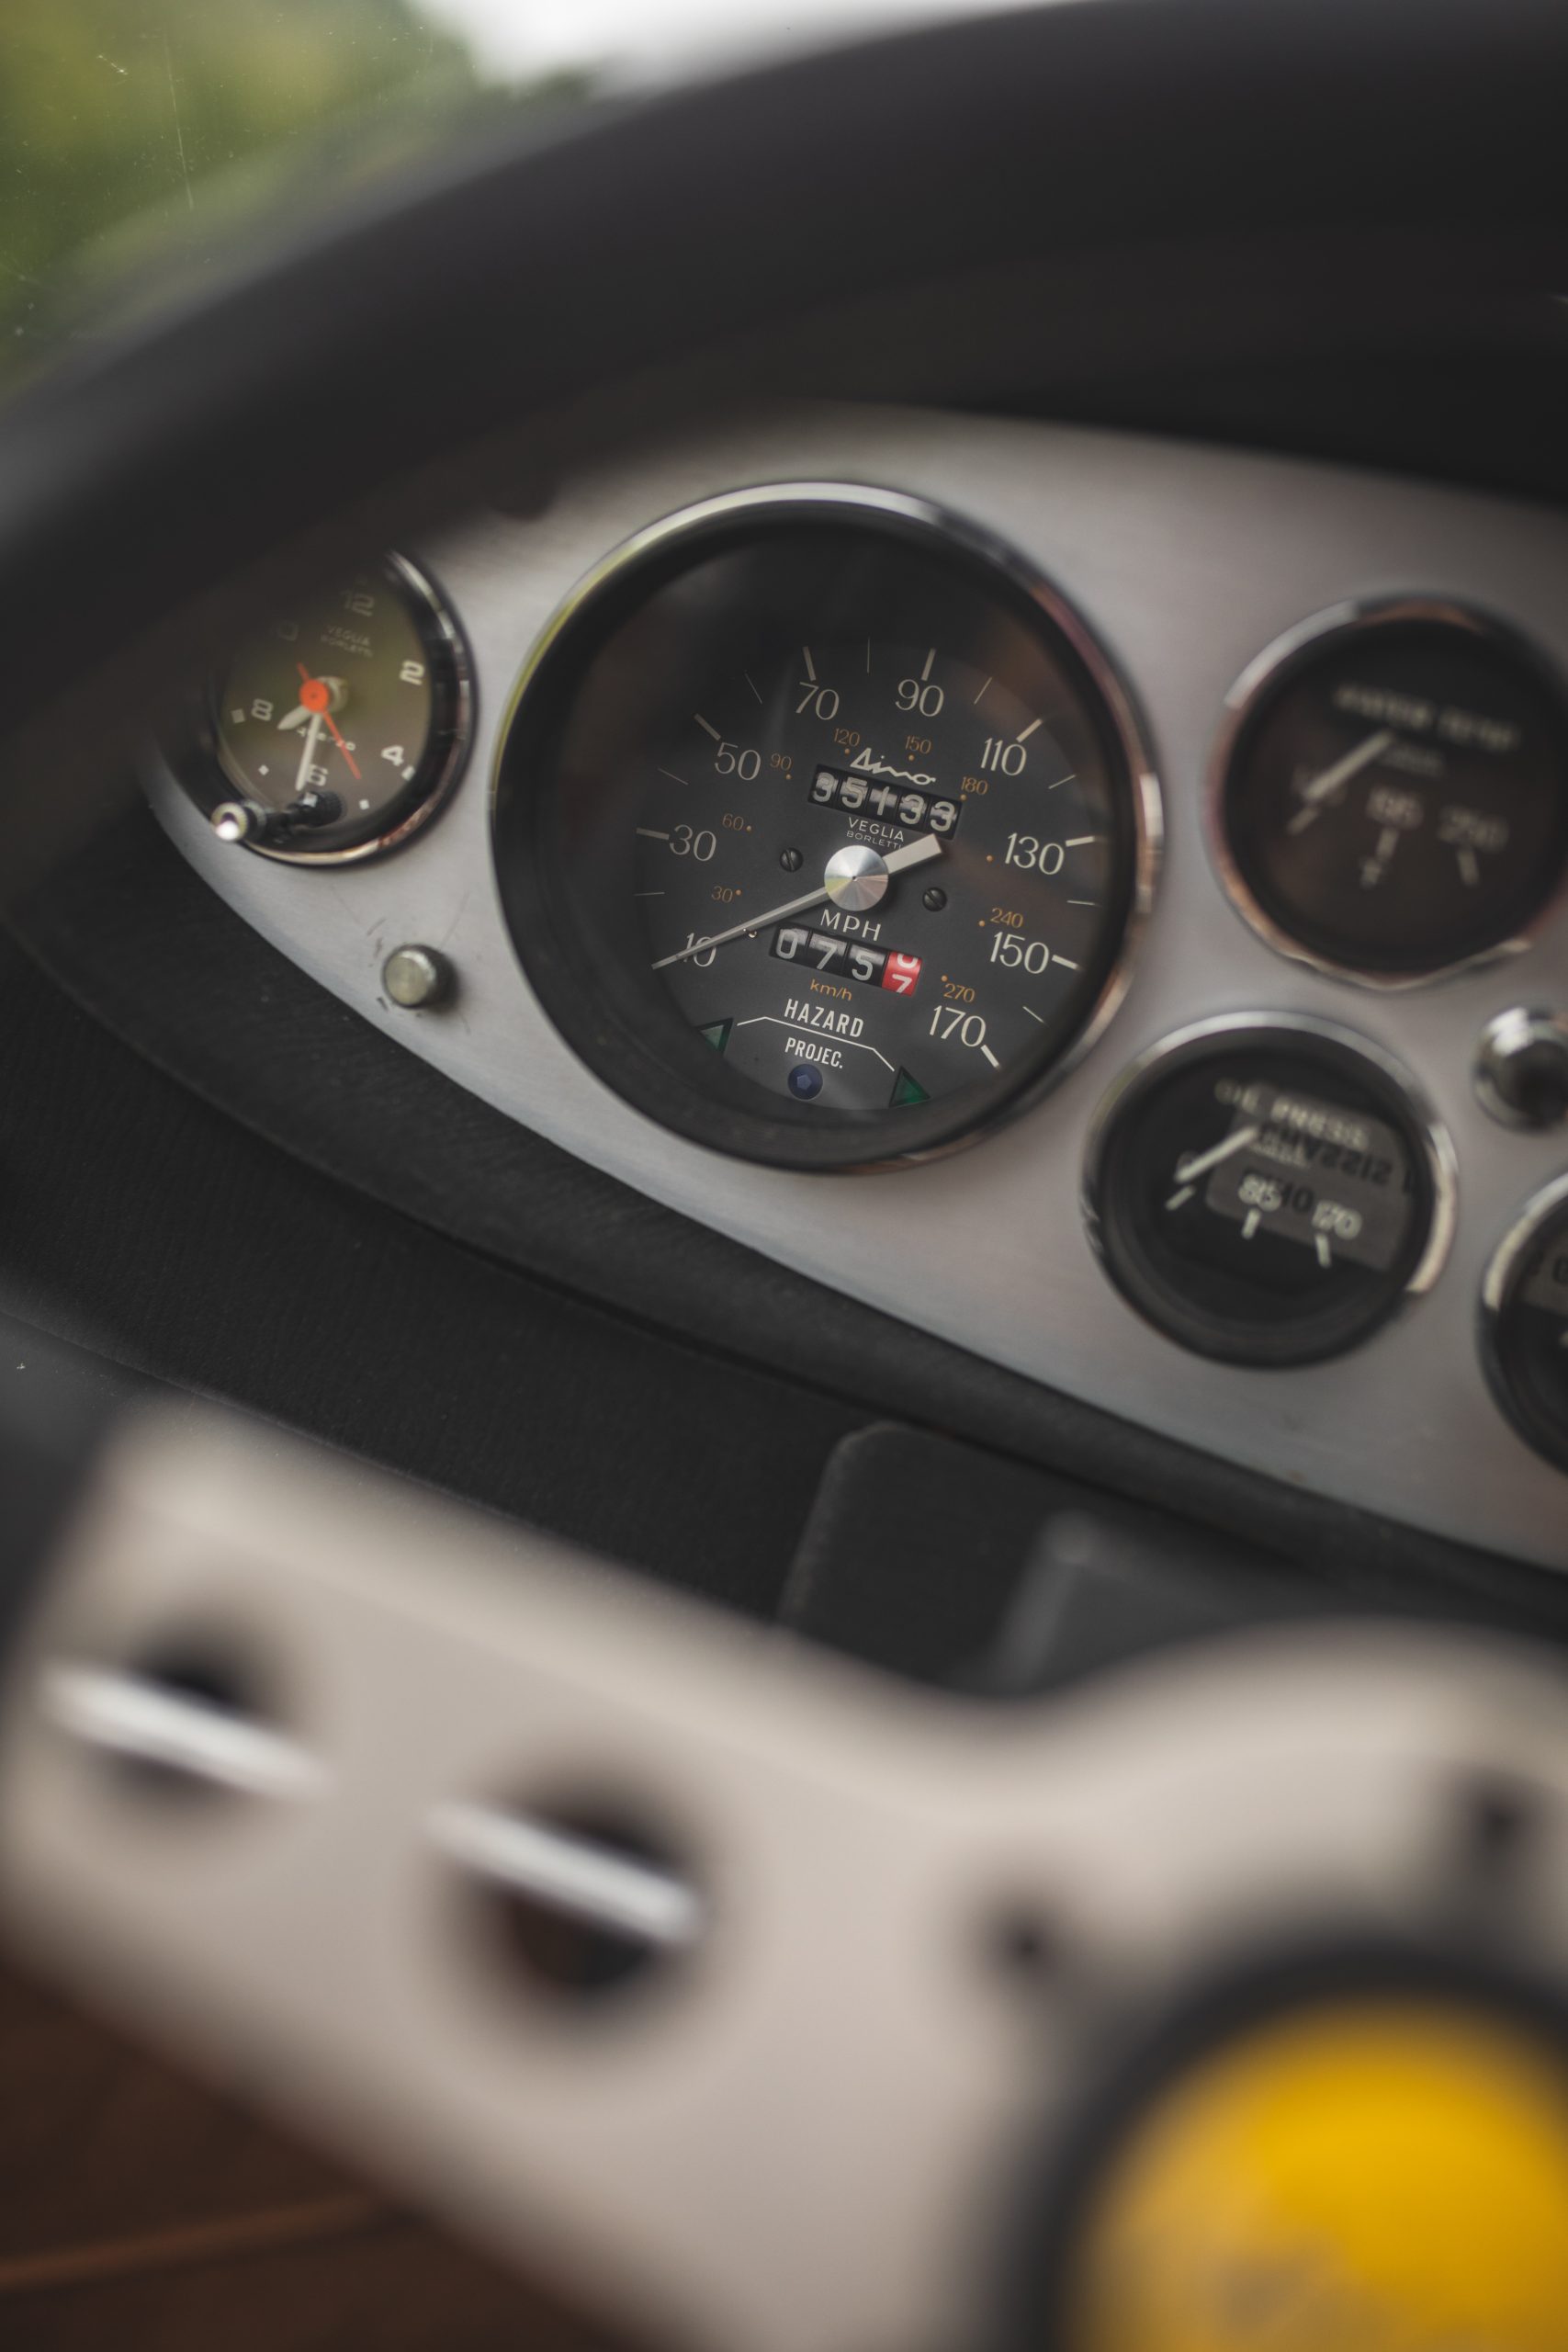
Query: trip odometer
{"type": "Point", "coordinates": [820, 826]}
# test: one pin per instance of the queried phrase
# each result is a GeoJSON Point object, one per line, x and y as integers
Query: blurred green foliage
{"type": "Point", "coordinates": [138, 134]}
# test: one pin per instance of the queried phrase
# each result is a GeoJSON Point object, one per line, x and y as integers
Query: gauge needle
{"type": "Point", "coordinates": [915, 852]}
{"type": "Point", "coordinates": [307, 754]}
{"type": "Point", "coordinates": [317, 696]}
{"type": "Point", "coordinates": [1332, 782]}
{"type": "Point", "coordinates": [301, 712]}
{"type": "Point", "coordinates": [1186, 1169]}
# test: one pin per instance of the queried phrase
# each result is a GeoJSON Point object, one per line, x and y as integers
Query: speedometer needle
{"type": "Point", "coordinates": [915, 852]}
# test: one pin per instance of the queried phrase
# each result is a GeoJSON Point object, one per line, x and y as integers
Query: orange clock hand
{"type": "Point", "coordinates": [316, 695]}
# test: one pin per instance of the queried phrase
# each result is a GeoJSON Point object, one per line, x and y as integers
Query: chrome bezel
{"type": "Point", "coordinates": [1528, 1025]}
{"type": "Point", "coordinates": [421, 590]}
{"type": "Point", "coordinates": [1495, 1287]}
{"type": "Point", "coordinates": [1220, 1029]}
{"type": "Point", "coordinates": [977, 542]}
{"type": "Point", "coordinates": [1271, 668]}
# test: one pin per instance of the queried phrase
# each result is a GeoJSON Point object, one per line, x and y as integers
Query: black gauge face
{"type": "Point", "coordinates": [337, 728]}
{"type": "Point", "coordinates": [1264, 1192]}
{"type": "Point", "coordinates": [1396, 800]}
{"type": "Point", "coordinates": [815, 835]}
{"type": "Point", "coordinates": [1525, 1325]}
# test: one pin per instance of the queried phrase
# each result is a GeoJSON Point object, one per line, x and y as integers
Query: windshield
{"type": "Point", "coordinates": [144, 136]}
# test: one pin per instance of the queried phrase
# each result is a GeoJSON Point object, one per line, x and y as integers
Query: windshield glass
{"type": "Point", "coordinates": [144, 136]}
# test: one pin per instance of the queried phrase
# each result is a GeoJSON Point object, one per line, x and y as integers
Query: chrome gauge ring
{"type": "Point", "coordinates": [822, 827]}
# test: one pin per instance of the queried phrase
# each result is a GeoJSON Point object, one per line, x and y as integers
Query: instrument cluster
{"type": "Point", "coordinates": [818, 828]}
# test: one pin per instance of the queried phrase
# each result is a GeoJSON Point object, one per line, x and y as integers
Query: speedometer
{"type": "Point", "coordinates": [820, 825]}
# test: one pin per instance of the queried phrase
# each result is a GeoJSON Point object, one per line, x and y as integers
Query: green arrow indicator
{"type": "Point", "coordinates": [907, 1090]}
{"type": "Point", "coordinates": [716, 1034]}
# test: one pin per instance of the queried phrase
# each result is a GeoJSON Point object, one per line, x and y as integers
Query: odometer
{"type": "Point", "coordinates": [819, 826]}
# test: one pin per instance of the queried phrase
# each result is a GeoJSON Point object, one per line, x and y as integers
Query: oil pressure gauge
{"type": "Point", "coordinates": [1392, 795]}
{"type": "Point", "coordinates": [1525, 1324]}
{"type": "Point", "coordinates": [1268, 1189]}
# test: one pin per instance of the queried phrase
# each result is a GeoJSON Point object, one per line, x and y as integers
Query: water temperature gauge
{"type": "Point", "coordinates": [1392, 795]}
{"type": "Point", "coordinates": [1268, 1189]}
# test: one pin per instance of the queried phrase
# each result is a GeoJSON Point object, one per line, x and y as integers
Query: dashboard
{"type": "Point", "coordinates": [1096, 899]}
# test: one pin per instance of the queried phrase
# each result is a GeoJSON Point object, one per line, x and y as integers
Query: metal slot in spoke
{"type": "Point", "coordinates": [571, 1873]}
{"type": "Point", "coordinates": [139, 1720]}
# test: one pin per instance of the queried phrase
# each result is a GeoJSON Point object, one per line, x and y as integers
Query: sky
{"type": "Point", "coordinates": [642, 42]}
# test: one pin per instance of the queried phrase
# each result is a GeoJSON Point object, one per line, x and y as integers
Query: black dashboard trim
{"type": "Point", "coordinates": [215, 1007]}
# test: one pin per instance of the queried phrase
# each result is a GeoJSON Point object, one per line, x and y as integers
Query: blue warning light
{"type": "Point", "coordinates": [804, 1081]}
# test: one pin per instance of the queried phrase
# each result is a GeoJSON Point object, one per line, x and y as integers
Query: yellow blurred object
{"type": "Point", "coordinates": [1373, 2175]}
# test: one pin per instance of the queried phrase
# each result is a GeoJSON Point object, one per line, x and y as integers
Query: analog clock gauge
{"type": "Point", "coordinates": [338, 728]}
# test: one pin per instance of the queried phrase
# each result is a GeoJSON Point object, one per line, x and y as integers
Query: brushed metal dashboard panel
{"type": "Point", "coordinates": [1185, 561]}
